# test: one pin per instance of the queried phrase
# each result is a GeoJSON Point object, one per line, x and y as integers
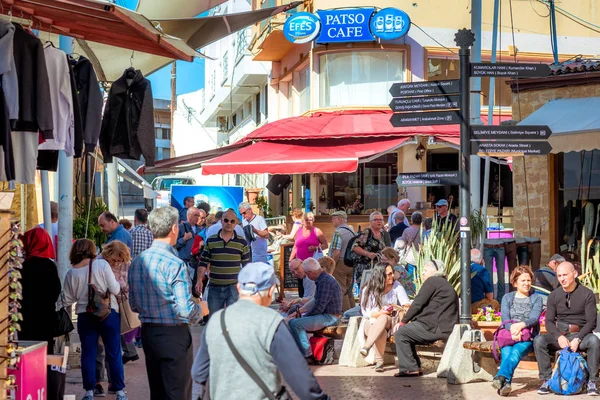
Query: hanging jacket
{"type": "Point", "coordinates": [90, 101]}
{"type": "Point", "coordinates": [78, 124]}
{"type": "Point", "coordinates": [8, 70]}
{"type": "Point", "coordinates": [35, 109]}
{"type": "Point", "coordinates": [128, 122]}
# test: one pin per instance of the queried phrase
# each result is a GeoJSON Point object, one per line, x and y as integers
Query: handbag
{"type": "Point", "coordinates": [318, 254]}
{"type": "Point", "coordinates": [282, 394]}
{"type": "Point", "coordinates": [64, 324]}
{"type": "Point", "coordinates": [129, 320]}
{"type": "Point", "coordinates": [98, 302]}
{"type": "Point", "coordinates": [503, 337]}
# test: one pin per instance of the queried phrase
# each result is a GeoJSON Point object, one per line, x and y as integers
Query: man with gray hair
{"type": "Point", "coordinates": [260, 338]}
{"type": "Point", "coordinates": [482, 291]}
{"type": "Point", "coordinates": [399, 226]}
{"type": "Point", "coordinates": [343, 274]}
{"type": "Point", "coordinates": [255, 231]}
{"type": "Point", "coordinates": [545, 277]}
{"type": "Point", "coordinates": [326, 309]}
{"type": "Point", "coordinates": [160, 290]}
{"type": "Point", "coordinates": [432, 316]}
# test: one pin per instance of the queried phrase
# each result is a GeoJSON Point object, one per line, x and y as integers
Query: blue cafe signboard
{"type": "Point", "coordinates": [347, 25]}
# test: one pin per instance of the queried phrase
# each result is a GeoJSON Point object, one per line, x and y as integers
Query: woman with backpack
{"type": "Point", "coordinates": [521, 312]}
{"type": "Point", "coordinates": [92, 285]}
{"type": "Point", "coordinates": [368, 245]}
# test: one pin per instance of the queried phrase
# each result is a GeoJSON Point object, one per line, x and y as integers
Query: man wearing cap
{"type": "Point", "coordinates": [261, 339]}
{"type": "Point", "coordinates": [545, 277]}
{"type": "Point", "coordinates": [326, 309]}
{"type": "Point", "coordinates": [443, 215]}
{"type": "Point", "coordinates": [343, 274]}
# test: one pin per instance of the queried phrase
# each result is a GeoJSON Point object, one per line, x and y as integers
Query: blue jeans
{"type": "Point", "coordinates": [489, 254]}
{"type": "Point", "coordinates": [89, 330]}
{"type": "Point", "coordinates": [511, 356]}
{"type": "Point", "coordinates": [220, 296]}
{"type": "Point", "coordinates": [353, 312]}
{"type": "Point", "coordinates": [299, 327]}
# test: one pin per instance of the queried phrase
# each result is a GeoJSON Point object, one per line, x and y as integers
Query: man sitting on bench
{"type": "Point", "coordinates": [570, 321]}
{"type": "Point", "coordinates": [326, 310]}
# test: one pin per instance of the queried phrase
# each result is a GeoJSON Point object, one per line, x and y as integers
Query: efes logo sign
{"type": "Point", "coordinates": [302, 27]}
{"type": "Point", "coordinates": [347, 25]}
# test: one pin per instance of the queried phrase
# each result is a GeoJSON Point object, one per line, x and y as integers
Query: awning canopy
{"type": "Point", "coordinates": [154, 9]}
{"type": "Point", "coordinates": [301, 156]}
{"type": "Point", "coordinates": [575, 123]}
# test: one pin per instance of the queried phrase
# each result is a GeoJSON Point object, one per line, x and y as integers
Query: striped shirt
{"type": "Point", "coordinates": [160, 288]}
{"type": "Point", "coordinates": [226, 259]}
{"type": "Point", "coordinates": [142, 240]}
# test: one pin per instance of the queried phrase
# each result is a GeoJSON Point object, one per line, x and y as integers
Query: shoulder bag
{"type": "Point", "coordinates": [98, 302]}
{"type": "Point", "coordinates": [281, 395]}
{"type": "Point", "coordinates": [64, 323]}
{"type": "Point", "coordinates": [129, 319]}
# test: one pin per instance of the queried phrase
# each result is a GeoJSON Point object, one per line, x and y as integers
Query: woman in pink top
{"type": "Point", "coordinates": [308, 240]}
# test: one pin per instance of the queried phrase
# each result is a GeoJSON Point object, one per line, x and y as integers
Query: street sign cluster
{"type": "Point", "coordinates": [511, 140]}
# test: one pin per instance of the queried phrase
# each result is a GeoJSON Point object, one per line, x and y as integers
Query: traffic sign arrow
{"type": "Point", "coordinates": [425, 103]}
{"type": "Point", "coordinates": [510, 70]}
{"type": "Point", "coordinates": [522, 132]}
{"type": "Point", "coordinates": [449, 178]}
{"type": "Point", "coordinates": [424, 88]}
{"type": "Point", "coordinates": [426, 118]}
{"type": "Point", "coordinates": [539, 148]}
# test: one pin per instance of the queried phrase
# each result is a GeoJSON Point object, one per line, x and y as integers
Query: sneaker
{"type": "Point", "coordinates": [99, 391]}
{"type": "Point", "coordinates": [138, 343]}
{"type": "Point", "coordinates": [87, 397]}
{"type": "Point", "coordinates": [121, 397]}
{"type": "Point", "coordinates": [379, 367]}
{"type": "Point", "coordinates": [592, 390]}
{"type": "Point", "coordinates": [544, 388]}
{"type": "Point", "coordinates": [112, 390]}
{"type": "Point", "coordinates": [498, 382]}
{"type": "Point", "coordinates": [505, 389]}
{"type": "Point", "coordinates": [364, 352]}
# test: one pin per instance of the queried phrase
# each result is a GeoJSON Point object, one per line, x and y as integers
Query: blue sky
{"type": "Point", "coordinates": [190, 76]}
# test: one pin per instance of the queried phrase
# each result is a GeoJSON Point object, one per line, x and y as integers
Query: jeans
{"type": "Point", "coordinates": [545, 344]}
{"type": "Point", "coordinates": [220, 296]}
{"type": "Point", "coordinates": [353, 312]}
{"type": "Point", "coordinates": [510, 248]}
{"type": "Point", "coordinates": [89, 330]}
{"type": "Point", "coordinates": [522, 254]}
{"type": "Point", "coordinates": [511, 356]}
{"type": "Point", "coordinates": [497, 253]}
{"type": "Point", "coordinates": [299, 327]}
{"type": "Point", "coordinates": [260, 258]}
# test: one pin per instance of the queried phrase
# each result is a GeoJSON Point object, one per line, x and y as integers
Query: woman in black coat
{"type": "Point", "coordinates": [41, 288]}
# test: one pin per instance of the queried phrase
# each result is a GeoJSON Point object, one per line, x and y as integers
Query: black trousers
{"type": "Point", "coordinates": [169, 358]}
{"type": "Point", "coordinates": [545, 345]}
{"type": "Point", "coordinates": [406, 338]}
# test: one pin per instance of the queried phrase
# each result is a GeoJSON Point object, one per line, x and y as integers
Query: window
{"type": "Point", "coordinates": [234, 120]}
{"type": "Point", "coordinates": [257, 108]}
{"type": "Point", "coordinates": [225, 67]}
{"type": "Point", "coordinates": [266, 107]}
{"type": "Point", "coordinates": [303, 88]}
{"type": "Point", "coordinates": [158, 133]}
{"type": "Point", "coordinates": [166, 133]}
{"type": "Point", "coordinates": [166, 153]}
{"type": "Point", "coordinates": [359, 77]}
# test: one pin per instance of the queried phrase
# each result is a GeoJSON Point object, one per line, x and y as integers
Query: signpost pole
{"type": "Point", "coordinates": [464, 40]}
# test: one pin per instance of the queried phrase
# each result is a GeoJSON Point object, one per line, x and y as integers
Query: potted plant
{"type": "Point", "coordinates": [487, 320]}
{"type": "Point", "coordinates": [252, 195]}
{"type": "Point", "coordinates": [263, 205]}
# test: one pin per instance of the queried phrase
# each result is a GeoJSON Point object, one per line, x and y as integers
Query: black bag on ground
{"type": "Point", "coordinates": [56, 378]}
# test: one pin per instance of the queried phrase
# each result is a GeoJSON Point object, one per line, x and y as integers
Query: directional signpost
{"type": "Point", "coordinates": [426, 118]}
{"type": "Point", "coordinates": [511, 132]}
{"type": "Point", "coordinates": [424, 88]}
{"type": "Point", "coordinates": [510, 70]}
{"type": "Point", "coordinates": [417, 179]}
{"type": "Point", "coordinates": [424, 103]}
{"type": "Point", "coordinates": [516, 147]}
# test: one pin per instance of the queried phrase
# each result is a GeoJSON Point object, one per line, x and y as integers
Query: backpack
{"type": "Point", "coordinates": [570, 373]}
{"type": "Point", "coordinates": [349, 255]}
{"type": "Point", "coordinates": [323, 349]}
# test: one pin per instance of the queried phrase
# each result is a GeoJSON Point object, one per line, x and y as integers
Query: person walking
{"type": "Point", "coordinates": [343, 274]}
{"type": "Point", "coordinates": [226, 253]}
{"type": "Point", "coordinates": [368, 245]}
{"type": "Point", "coordinates": [160, 291]}
{"type": "Point", "coordinates": [141, 236]}
{"type": "Point", "coordinates": [255, 231]}
{"type": "Point", "coordinates": [249, 332]}
{"type": "Point", "coordinates": [89, 327]}
{"type": "Point", "coordinates": [41, 288]}
{"type": "Point", "coordinates": [109, 225]}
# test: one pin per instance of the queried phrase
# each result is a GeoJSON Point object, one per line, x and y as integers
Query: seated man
{"type": "Point", "coordinates": [431, 316]}
{"type": "Point", "coordinates": [326, 310]}
{"type": "Point", "coordinates": [482, 291]}
{"type": "Point", "coordinates": [310, 287]}
{"type": "Point", "coordinates": [570, 322]}
{"type": "Point", "coordinates": [545, 277]}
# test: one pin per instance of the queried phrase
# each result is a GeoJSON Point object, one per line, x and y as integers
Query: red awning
{"type": "Point", "coordinates": [300, 157]}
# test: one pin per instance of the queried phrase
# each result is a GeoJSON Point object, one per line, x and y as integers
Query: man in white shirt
{"type": "Point", "coordinates": [255, 232]}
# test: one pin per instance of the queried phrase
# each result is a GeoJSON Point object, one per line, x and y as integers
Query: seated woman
{"type": "Point", "coordinates": [379, 296]}
{"type": "Point", "coordinates": [521, 306]}
{"type": "Point", "coordinates": [391, 257]}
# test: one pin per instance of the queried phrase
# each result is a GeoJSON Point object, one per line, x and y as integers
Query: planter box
{"type": "Point", "coordinates": [488, 328]}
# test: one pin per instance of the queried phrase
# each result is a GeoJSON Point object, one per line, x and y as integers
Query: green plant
{"type": "Point", "coordinates": [590, 266]}
{"type": "Point", "coordinates": [263, 205]}
{"type": "Point", "coordinates": [89, 224]}
{"type": "Point", "coordinates": [441, 244]}
{"type": "Point", "coordinates": [487, 314]}
{"type": "Point", "coordinates": [477, 225]}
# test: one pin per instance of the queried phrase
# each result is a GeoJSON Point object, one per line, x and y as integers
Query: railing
{"type": "Point", "coordinates": [276, 221]}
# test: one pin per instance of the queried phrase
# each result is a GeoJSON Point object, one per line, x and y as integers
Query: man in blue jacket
{"type": "Point", "coordinates": [187, 233]}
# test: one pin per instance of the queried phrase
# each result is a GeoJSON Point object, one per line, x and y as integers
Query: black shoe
{"type": "Point", "coordinates": [498, 382]}
{"type": "Point", "coordinates": [311, 360]}
{"type": "Point", "coordinates": [544, 388]}
{"type": "Point", "coordinates": [407, 374]}
{"type": "Point", "coordinates": [505, 389]}
{"type": "Point", "coordinates": [127, 359]}
{"type": "Point", "coordinates": [99, 391]}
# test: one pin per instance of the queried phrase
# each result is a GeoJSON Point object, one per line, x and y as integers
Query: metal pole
{"type": "Point", "coordinates": [46, 203]}
{"type": "Point", "coordinates": [464, 40]}
{"type": "Point", "coordinates": [65, 194]}
{"type": "Point", "coordinates": [553, 33]}
{"type": "Point", "coordinates": [475, 106]}
{"type": "Point", "coordinates": [113, 186]}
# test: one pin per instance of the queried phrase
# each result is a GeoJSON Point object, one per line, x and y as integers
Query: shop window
{"type": "Point", "coordinates": [359, 77]}
{"type": "Point", "coordinates": [303, 88]}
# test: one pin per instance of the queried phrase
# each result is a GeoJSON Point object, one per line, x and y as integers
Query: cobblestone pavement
{"type": "Point", "coordinates": [349, 383]}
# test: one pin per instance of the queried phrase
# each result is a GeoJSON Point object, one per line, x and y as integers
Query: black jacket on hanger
{"type": "Point", "coordinates": [128, 122]}
{"type": "Point", "coordinates": [35, 109]}
{"type": "Point", "coordinates": [78, 128]}
{"type": "Point", "coordinates": [90, 101]}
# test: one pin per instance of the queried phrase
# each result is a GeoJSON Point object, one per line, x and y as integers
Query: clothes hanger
{"type": "Point", "coordinates": [130, 72]}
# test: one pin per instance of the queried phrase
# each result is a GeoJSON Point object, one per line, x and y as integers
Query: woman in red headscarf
{"type": "Point", "coordinates": [41, 288]}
